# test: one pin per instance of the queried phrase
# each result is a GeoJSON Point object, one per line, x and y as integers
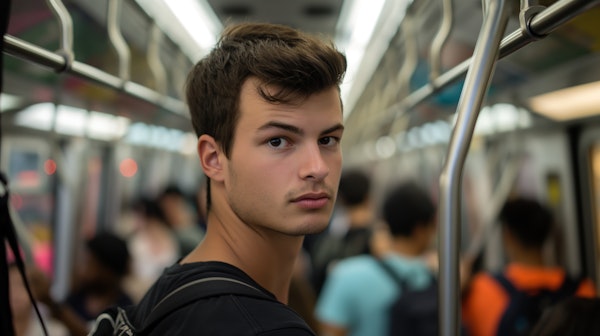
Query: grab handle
{"type": "Point", "coordinates": [66, 32]}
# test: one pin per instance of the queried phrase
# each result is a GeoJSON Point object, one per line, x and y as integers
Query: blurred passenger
{"type": "Point", "coordinates": [105, 262]}
{"type": "Point", "coordinates": [354, 195]}
{"type": "Point", "coordinates": [25, 320]}
{"type": "Point", "coordinates": [302, 297]}
{"type": "Point", "coordinates": [357, 294]}
{"type": "Point", "coordinates": [492, 301]}
{"type": "Point", "coordinates": [574, 316]}
{"type": "Point", "coordinates": [153, 247]}
{"type": "Point", "coordinates": [181, 218]}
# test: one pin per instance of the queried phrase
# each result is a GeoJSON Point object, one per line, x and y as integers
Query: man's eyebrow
{"type": "Point", "coordinates": [286, 127]}
{"type": "Point", "coordinates": [338, 127]}
{"type": "Point", "coordinates": [296, 130]}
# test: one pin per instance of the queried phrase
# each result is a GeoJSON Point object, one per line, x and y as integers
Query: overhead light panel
{"type": "Point", "coordinates": [571, 103]}
{"type": "Point", "coordinates": [356, 24]}
{"type": "Point", "coordinates": [365, 24]}
{"type": "Point", "coordinates": [191, 24]}
{"type": "Point", "coordinates": [8, 101]}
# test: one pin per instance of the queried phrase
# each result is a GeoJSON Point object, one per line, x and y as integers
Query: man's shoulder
{"type": "Point", "coordinates": [233, 314]}
{"type": "Point", "coordinates": [253, 314]}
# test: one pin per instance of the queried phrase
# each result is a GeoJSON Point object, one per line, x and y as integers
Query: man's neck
{"type": "Point", "coordinates": [267, 257]}
{"type": "Point", "coordinates": [406, 247]}
{"type": "Point", "coordinates": [527, 257]}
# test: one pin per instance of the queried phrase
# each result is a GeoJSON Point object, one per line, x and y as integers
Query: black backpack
{"type": "Point", "coordinates": [116, 321]}
{"type": "Point", "coordinates": [526, 308]}
{"type": "Point", "coordinates": [415, 311]}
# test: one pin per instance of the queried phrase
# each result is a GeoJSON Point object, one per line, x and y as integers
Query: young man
{"type": "Point", "coordinates": [526, 226]}
{"type": "Point", "coordinates": [265, 104]}
{"type": "Point", "coordinates": [359, 292]}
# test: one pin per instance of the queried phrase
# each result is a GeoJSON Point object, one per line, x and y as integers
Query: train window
{"type": "Point", "coordinates": [30, 169]}
{"type": "Point", "coordinates": [23, 169]}
{"type": "Point", "coordinates": [28, 165]}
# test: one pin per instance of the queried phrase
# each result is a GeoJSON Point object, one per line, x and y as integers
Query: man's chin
{"type": "Point", "coordinates": [315, 228]}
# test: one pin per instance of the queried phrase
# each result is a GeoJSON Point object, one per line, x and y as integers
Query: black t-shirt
{"type": "Point", "coordinates": [220, 315]}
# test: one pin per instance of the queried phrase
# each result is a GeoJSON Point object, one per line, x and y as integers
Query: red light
{"type": "Point", "coordinates": [128, 167]}
{"type": "Point", "coordinates": [50, 167]}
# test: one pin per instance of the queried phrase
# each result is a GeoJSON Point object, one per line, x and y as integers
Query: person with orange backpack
{"type": "Point", "coordinates": [511, 302]}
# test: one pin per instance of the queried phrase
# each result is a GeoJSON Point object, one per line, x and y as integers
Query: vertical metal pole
{"type": "Point", "coordinates": [476, 84]}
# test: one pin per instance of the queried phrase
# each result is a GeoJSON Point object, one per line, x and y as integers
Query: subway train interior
{"type": "Point", "coordinates": [94, 117]}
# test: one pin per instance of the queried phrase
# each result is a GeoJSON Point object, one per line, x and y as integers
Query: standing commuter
{"type": "Point", "coordinates": [354, 195]}
{"type": "Point", "coordinates": [105, 264]}
{"type": "Point", "coordinates": [265, 104]}
{"type": "Point", "coordinates": [181, 219]}
{"type": "Point", "coordinates": [497, 304]}
{"type": "Point", "coordinates": [359, 292]}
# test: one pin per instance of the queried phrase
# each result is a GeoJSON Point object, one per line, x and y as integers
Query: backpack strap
{"type": "Point", "coordinates": [392, 273]}
{"type": "Point", "coordinates": [506, 284]}
{"type": "Point", "coordinates": [200, 289]}
{"type": "Point", "coordinates": [568, 287]}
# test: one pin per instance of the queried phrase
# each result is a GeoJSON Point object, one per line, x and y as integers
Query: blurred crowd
{"type": "Point", "coordinates": [347, 278]}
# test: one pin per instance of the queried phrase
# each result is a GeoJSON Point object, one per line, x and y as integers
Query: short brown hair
{"type": "Point", "coordinates": [296, 63]}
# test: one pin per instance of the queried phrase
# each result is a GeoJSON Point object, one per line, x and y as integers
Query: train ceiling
{"type": "Point", "coordinates": [561, 60]}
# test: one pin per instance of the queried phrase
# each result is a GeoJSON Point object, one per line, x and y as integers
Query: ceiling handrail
{"type": "Point", "coordinates": [411, 53]}
{"type": "Point", "coordinates": [66, 33]}
{"type": "Point", "coordinates": [153, 57]}
{"type": "Point", "coordinates": [541, 24]}
{"type": "Point", "coordinates": [435, 52]}
{"type": "Point", "coordinates": [30, 52]}
{"type": "Point", "coordinates": [117, 40]}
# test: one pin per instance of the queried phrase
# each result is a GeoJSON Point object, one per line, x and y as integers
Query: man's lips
{"type": "Point", "coordinates": [312, 200]}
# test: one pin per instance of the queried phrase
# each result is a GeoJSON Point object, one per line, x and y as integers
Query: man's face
{"type": "Point", "coordinates": [285, 163]}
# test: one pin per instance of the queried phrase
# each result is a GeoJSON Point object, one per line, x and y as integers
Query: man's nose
{"type": "Point", "coordinates": [313, 164]}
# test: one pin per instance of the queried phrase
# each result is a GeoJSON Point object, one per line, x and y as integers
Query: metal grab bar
{"type": "Point", "coordinates": [25, 50]}
{"type": "Point", "coordinates": [477, 82]}
{"type": "Point", "coordinates": [541, 24]}
{"type": "Point", "coordinates": [117, 40]}
{"type": "Point", "coordinates": [435, 52]}
{"type": "Point", "coordinates": [153, 57]}
{"type": "Point", "coordinates": [66, 32]}
{"type": "Point", "coordinates": [411, 57]}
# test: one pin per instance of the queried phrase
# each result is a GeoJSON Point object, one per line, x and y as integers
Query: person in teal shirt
{"type": "Point", "coordinates": [358, 292]}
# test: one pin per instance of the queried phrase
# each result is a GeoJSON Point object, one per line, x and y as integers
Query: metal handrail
{"type": "Point", "coordinates": [411, 52]}
{"type": "Point", "coordinates": [117, 40]}
{"type": "Point", "coordinates": [541, 24]}
{"type": "Point", "coordinates": [435, 52]}
{"type": "Point", "coordinates": [66, 32]}
{"type": "Point", "coordinates": [25, 50]}
{"type": "Point", "coordinates": [476, 84]}
{"type": "Point", "coordinates": [153, 57]}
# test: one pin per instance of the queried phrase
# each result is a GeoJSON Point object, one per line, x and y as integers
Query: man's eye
{"type": "Point", "coordinates": [328, 141]}
{"type": "Point", "coordinates": [277, 142]}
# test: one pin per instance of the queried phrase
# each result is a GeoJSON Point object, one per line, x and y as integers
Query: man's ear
{"type": "Point", "coordinates": [210, 157]}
